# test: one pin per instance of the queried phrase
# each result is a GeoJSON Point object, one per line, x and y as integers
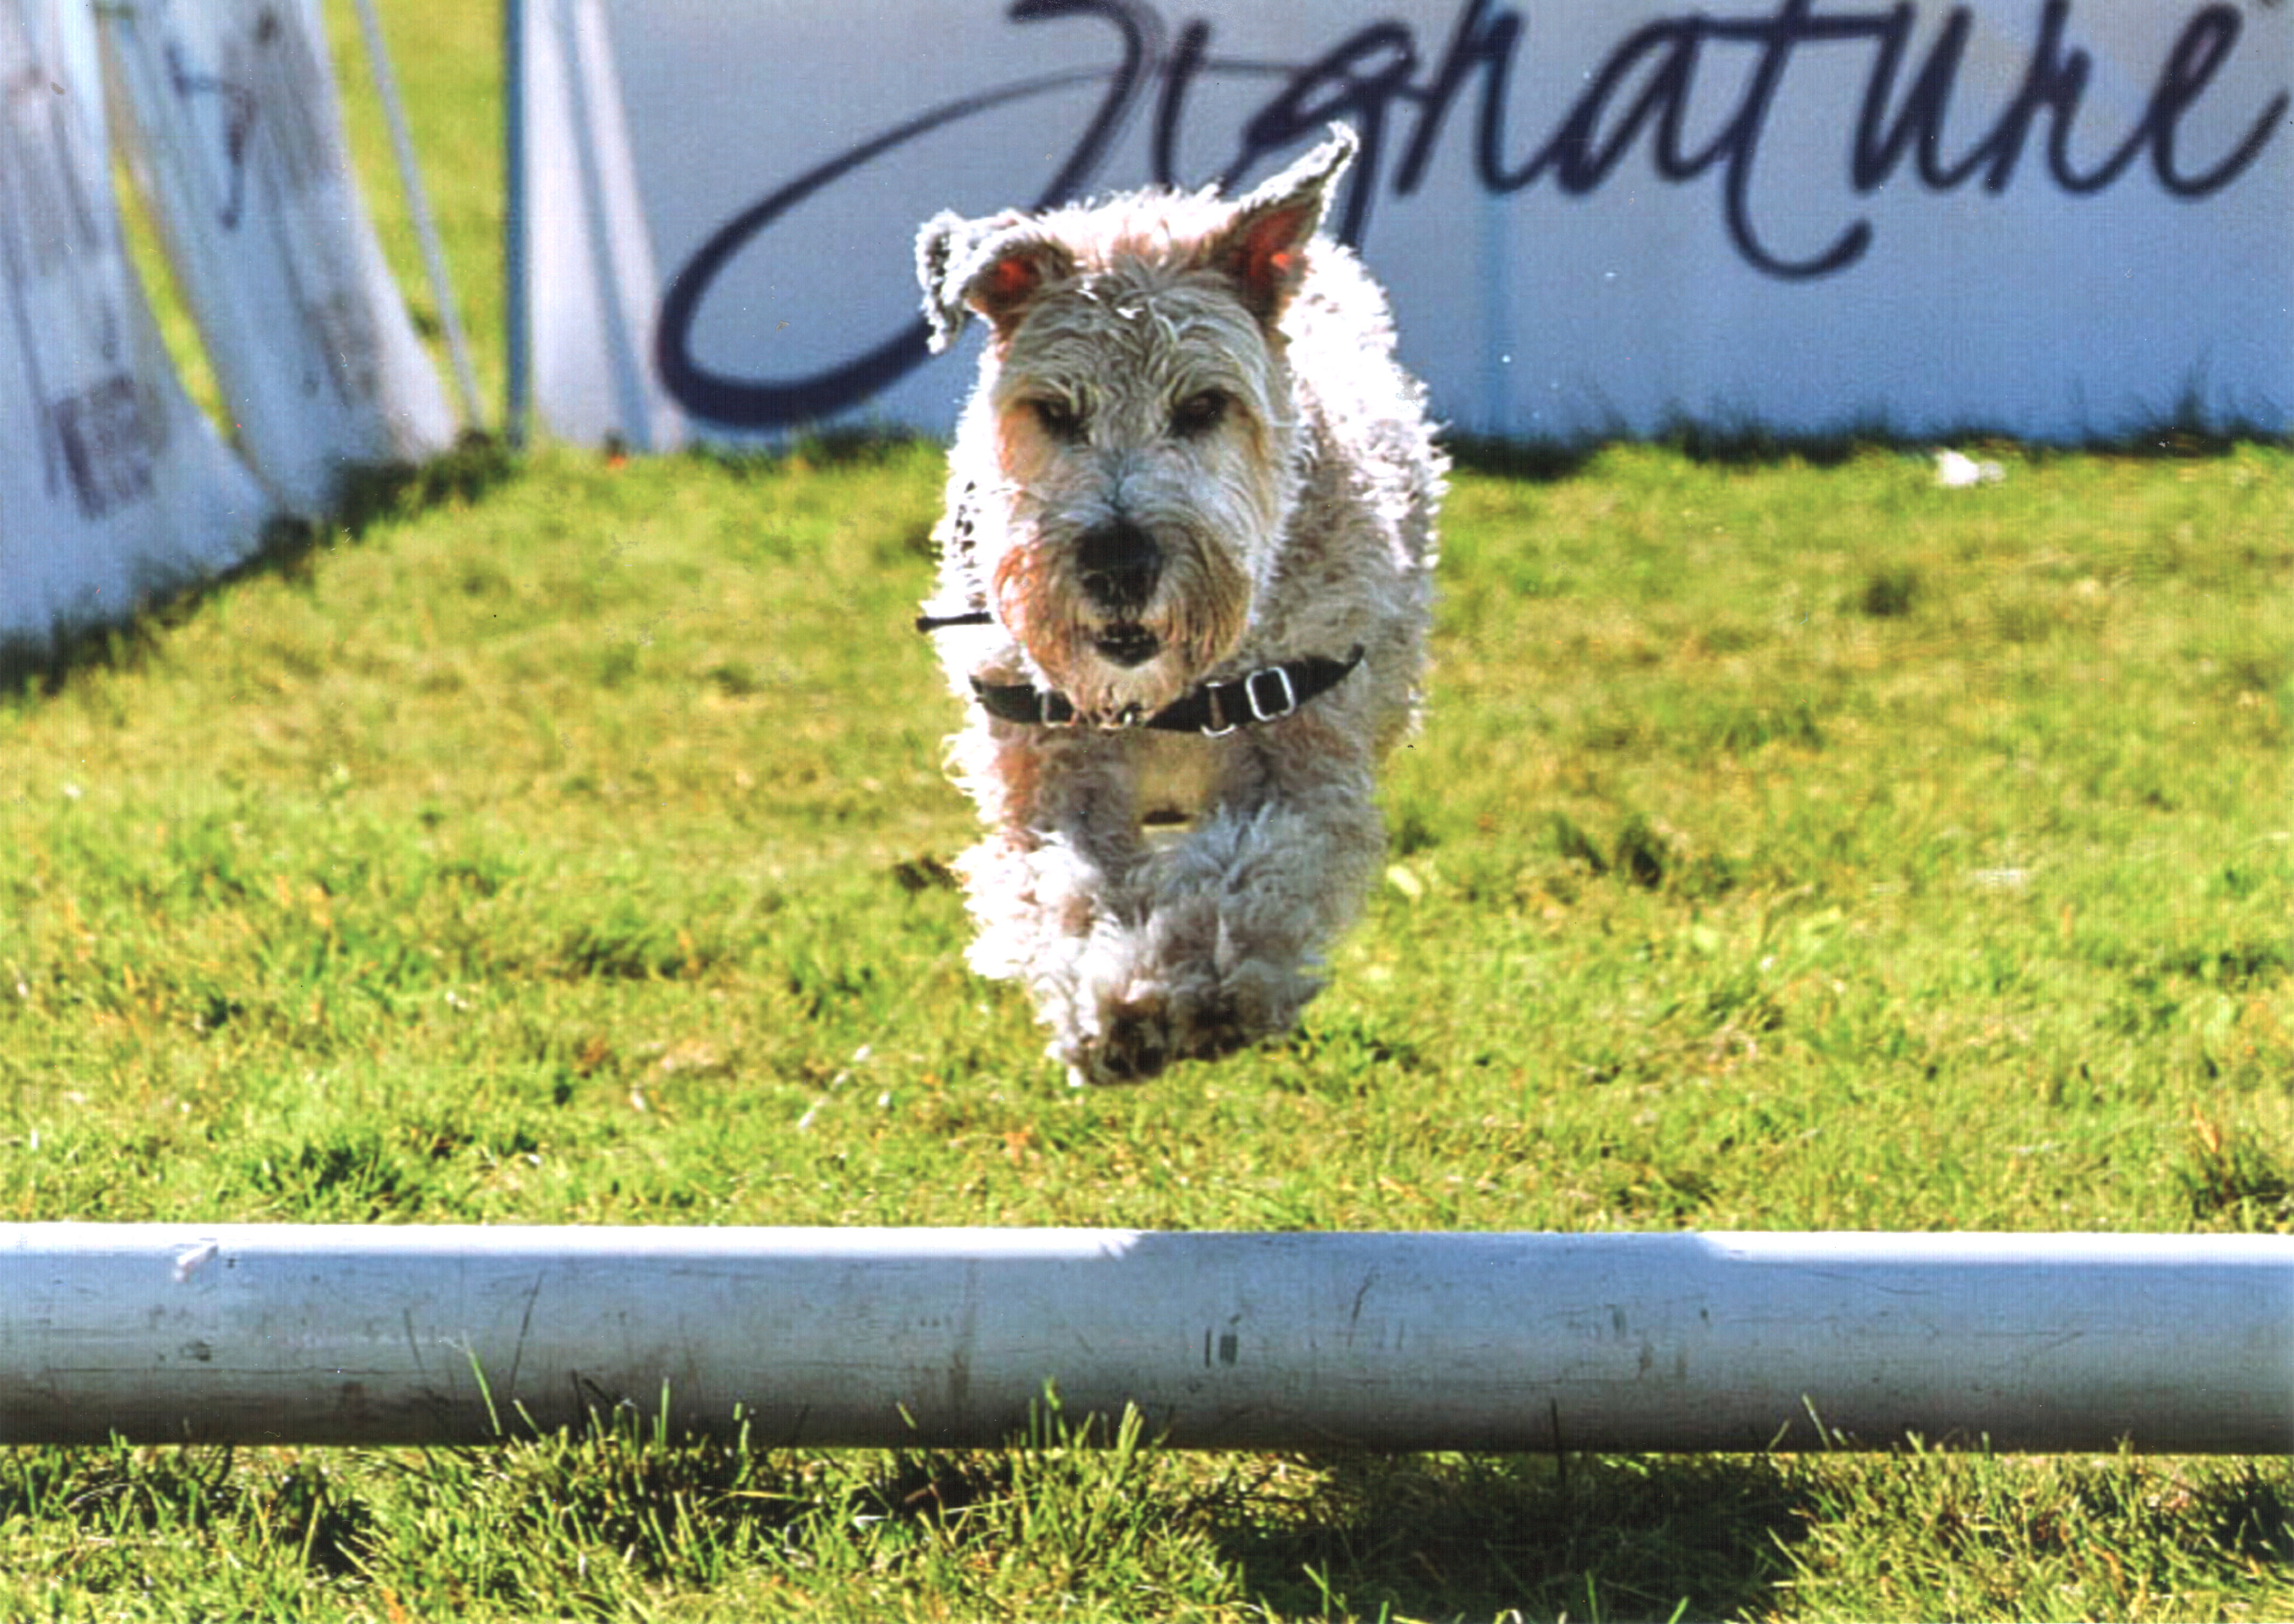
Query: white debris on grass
{"type": "Point", "coordinates": [1958, 471]}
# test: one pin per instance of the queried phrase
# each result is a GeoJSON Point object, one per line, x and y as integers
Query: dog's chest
{"type": "Point", "coordinates": [1174, 775]}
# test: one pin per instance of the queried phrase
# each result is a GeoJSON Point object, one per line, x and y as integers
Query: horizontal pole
{"type": "Point", "coordinates": [283, 1334]}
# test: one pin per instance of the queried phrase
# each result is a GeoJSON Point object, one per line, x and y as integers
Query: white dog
{"type": "Point", "coordinates": [1186, 575]}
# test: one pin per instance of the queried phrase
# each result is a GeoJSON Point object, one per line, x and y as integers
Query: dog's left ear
{"type": "Point", "coordinates": [1263, 248]}
{"type": "Point", "coordinates": [995, 266]}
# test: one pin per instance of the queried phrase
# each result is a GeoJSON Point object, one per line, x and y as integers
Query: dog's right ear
{"type": "Point", "coordinates": [995, 267]}
{"type": "Point", "coordinates": [1262, 247]}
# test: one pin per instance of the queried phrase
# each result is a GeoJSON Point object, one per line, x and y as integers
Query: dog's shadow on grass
{"type": "Point", "coordinates": [1531, 1536]}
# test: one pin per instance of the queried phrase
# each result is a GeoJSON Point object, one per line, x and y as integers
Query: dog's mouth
{"type": "Point", "coordinates": [1128, 644]}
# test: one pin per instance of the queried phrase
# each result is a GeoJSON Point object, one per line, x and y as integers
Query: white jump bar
{"type": "Point", "coordinates": [826, 1338]}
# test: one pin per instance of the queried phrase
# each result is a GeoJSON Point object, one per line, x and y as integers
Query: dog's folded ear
{"type": "Point", "coordinates": [1264, 247]}
{"type": "Point", "coordinates": [995, 266]}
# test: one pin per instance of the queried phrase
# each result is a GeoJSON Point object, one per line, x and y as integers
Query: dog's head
{"type": "Point", "coordinates": [1138, 407]}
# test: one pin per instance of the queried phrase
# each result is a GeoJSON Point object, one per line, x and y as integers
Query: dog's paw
{"type": "Point", "coordinates": [1140, 1037]}
{"type": "Point", "coordinates": [1216, 1028]}
{"type": "Point", "coordinates": [1134, 1042]}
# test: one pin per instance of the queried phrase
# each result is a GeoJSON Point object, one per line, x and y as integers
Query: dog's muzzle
{"type": "Point", "coordinates": [1118, 566]}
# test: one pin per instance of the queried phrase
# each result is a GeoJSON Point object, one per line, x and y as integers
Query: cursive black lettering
{"type": "Point", "coordinates": [2205, 45]}
{"type": "Point", "coordinates": [1647, 87]}
{"type": "Point", "coordinates": [1880, 141]}
{"type": "Point", "coordinates": [753, 404]}
{"type": "Point", "coordinates": [1355, 80]}
{"type": "Point", "coordinates": [1738, 148]}
{"type": "Point", "coordinates": [2053, 85]}
{"type": "Point", "coordinates": [1658, 95]}
{"type": "Point", "coordinates": [1179, 75]}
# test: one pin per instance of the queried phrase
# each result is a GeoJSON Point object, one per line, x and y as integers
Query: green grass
{"type": "Point", "coordinates": [569, 846]}
{"type": "Point", "coordinates": [1789, 845]}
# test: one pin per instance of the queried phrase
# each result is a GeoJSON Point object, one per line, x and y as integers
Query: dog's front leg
{"type": "Point", "coordinates": [1056, 888]}
{"type": "Point", "coordinates": [1237, 915]}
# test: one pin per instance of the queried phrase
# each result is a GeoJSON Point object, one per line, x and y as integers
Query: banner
{"type": "Point", "coordinates": [592, 288]}
{"type": "Point", "coordinates": [2063, 219]}
{"type": "Point", "coordinates": [234, 134]}
{"type": "Point", "coordinates": [114, 487]}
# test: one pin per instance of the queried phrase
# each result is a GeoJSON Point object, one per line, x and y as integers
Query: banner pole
{"type": "Point", "coordinates": [621, 344]}
{"type": "Point", "coordinates": [517, 314]}
{"type": "Point", "coordinates": [418, 205]}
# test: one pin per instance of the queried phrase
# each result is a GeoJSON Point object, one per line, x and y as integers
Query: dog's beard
{"type": "Point", "coordinates": [1111, 664]}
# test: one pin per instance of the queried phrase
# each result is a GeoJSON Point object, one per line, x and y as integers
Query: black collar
{"type": "Point", "coordinates": [1215, 709]}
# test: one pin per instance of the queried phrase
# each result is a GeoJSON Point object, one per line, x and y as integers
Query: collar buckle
{"type": "Point", "coordinates": [1216, 726]}
{"type": "Point", "coordinates": [1274, 710]}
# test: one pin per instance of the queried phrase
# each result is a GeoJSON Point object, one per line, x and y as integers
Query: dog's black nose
{"type": "Point", "coordinates": [1118, 564]}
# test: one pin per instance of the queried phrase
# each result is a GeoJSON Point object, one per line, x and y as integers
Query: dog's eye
{"type": "Point", "coordinates": [1199, 414]}
{"type": "Point", "coordinates": [1060, 421]}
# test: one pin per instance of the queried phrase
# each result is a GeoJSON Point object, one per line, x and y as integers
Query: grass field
{"type": "Point", "coordinates": [1790, 845]}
